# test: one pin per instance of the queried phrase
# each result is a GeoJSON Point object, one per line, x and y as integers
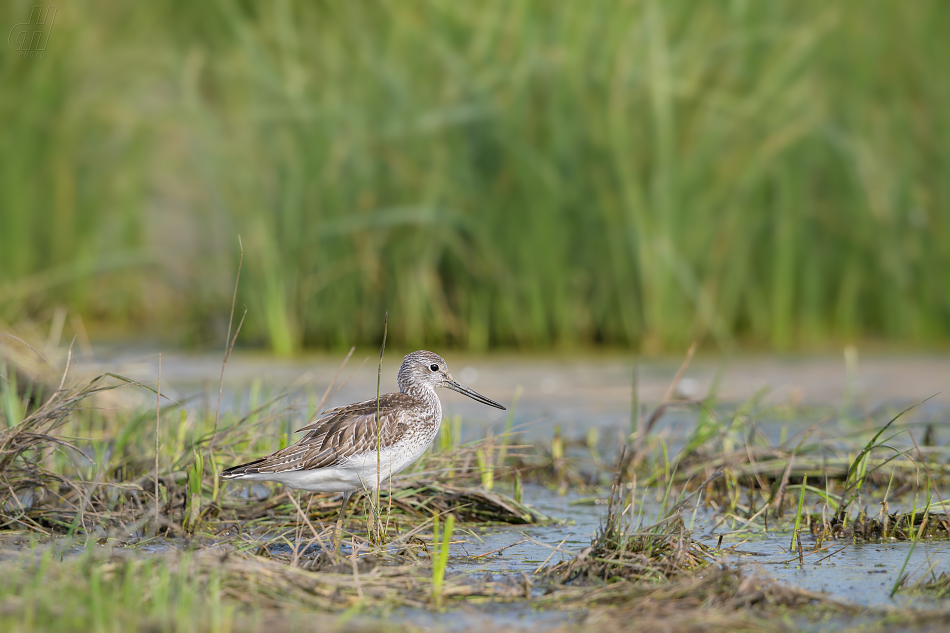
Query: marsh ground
{"type": "Point", "coordinates": [694, 530]}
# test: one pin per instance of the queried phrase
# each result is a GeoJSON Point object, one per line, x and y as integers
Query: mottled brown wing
{"type": "Point", "coordinates": [387, 401]}
{"type": "Point", "coordinates": [340, 433]}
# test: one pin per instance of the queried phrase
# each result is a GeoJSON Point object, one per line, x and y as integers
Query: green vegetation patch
{"type": "Point", "coordinates": [497, 174]}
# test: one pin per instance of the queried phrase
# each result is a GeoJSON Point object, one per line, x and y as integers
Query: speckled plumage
{"type": "Point", "coordinates": [339, 451]}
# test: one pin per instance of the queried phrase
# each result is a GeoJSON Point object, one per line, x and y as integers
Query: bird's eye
{"type": "Point", "coordinates": [434, 367]}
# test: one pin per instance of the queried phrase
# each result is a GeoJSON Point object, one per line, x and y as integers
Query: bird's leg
{"type": "Point", "coordinates": [340, 519]}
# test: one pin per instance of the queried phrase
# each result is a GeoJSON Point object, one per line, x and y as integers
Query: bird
{"type": "Point", "coordinates": [339, 451]}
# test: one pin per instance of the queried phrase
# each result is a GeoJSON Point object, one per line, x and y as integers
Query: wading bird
{"type": "Point", "coordinates": [339, 452]}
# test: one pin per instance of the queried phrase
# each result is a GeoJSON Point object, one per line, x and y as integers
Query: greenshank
{"type": "Point", "coordinates": [339, 451]}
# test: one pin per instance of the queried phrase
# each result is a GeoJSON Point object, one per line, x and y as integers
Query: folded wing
{"type": "Point", "coordinates": [337, 435]}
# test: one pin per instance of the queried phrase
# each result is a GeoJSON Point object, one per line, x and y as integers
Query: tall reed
{"type": "Point", "coordinates": [630, 173]}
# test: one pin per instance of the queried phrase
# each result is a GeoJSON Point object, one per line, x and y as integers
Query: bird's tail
{"type": "Point", "coordinates": [236, 472]}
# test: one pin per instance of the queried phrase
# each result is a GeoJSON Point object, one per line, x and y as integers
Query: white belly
{"type": "Point", "coordinates": [332, 479]}
{"type": "Point", "coordinates": [356, 473]}
{"type": "Point", "coordinates": [371, 471]}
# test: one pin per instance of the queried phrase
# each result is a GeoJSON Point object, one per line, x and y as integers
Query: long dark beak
{"type": "Point", "coordinates": [454, 386]}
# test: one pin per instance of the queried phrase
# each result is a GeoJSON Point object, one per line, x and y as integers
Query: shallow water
{"type": "Point", "coordinates": [573, 392]}
{"type": "Point", "coordinates": [578, 523]}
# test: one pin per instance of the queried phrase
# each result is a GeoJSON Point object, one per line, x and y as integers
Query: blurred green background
{"type": "Point", "coordinates": [494, 174]}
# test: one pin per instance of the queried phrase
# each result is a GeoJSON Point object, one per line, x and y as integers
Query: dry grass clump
{"type": "Point", "coordinates": [621, 550]}
{"type": "Point", "coordinates": [652, 552]}
{"type": "Point", "coordinates": [25, 442]}
{"type": "Point", "coordinates": [755, 465]}
{"type": "Point", "coordinates": [425, 496]}
{"type": "Point", "coordinates": [255, 580]}
{"type": "Point", "coordinates": [899, 526]}
{"type": "Point", "coordinates": [937, 586]}
{"type": "Point", "coordinates": [719, 599]}
{"type": "Point", "coordinates": [414, 498]}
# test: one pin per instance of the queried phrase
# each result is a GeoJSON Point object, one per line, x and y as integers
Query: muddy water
{"type": "Point", "coordinates": [577, 394]}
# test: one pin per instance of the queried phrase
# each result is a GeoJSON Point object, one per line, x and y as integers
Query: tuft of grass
{"type": "Point", "coordinates": [440, 555]}
{"type": "Point", "coordinates": [797, 532]}
{"type": "Point", "coordinates": [937, 586]}
{"type": "Point", "coordinates": [622, 550]}
{"type": "Point", "coordinates": [508, 433]}
{"type": "Point", "coordinates": [719, 599]}
{"type": "Point", "coordinates": [26, 440]}
{"type": "Point", "coordinates": [193, 500]}
{"type": "Point", "coordinates": [486, 467]}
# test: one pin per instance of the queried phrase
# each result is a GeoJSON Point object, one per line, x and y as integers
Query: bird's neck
{"type": "Point", "coordinates": [426, 394]}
